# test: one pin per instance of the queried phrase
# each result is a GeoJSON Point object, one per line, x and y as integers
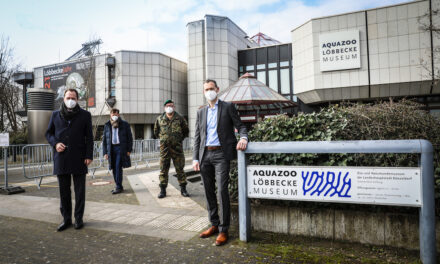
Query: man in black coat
{"type": "Point", "coordinates": [215, 145]}
{"type": "Point", "coordinates": [70, 134]}
{"type": "Point", "coordinates": [117, 145]}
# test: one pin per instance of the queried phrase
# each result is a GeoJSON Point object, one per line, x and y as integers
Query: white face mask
{"type": "Point", "coordinates": [114, 118]}
{"type": "Point", "coordinates": [169, 110]}
{"type": "Point", "coordinates": [70, 103]}
{"type": "Point", "coordinates": [210, 95]}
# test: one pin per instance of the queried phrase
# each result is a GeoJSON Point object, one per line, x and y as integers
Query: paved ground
{"type": "Point", "coordinates": [137, 227]}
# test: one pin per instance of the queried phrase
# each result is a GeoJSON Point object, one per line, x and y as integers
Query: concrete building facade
{"type": "Point", "coordinates": [139, 84]}
{"type": "Point", "coordinates": [213, 45]}
{"type": "Point", "coordinates": [395, 52]}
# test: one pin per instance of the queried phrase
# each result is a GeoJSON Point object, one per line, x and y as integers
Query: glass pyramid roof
{"type": "Point", "coordinates": [264, 40]}
{"type": "Point", "coordinates": [250, 95]}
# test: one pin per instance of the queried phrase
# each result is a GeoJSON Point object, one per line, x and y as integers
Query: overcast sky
{"type": "Point", "coordinates": [46, 32]}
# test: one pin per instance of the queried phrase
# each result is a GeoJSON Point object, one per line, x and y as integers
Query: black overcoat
{"type": "Point", "coordinates": [77, 135]}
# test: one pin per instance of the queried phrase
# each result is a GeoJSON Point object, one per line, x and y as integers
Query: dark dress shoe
{"type": "Point", "coordinates": [221, 239]}
{"type": "Point", "coordinates": [79, 224]}
{"type": "Point", "coordinates": [64, 225]}
{"type": "Point", "coordinates": [211, 231]}
{"type": "Point", "coordinates": [116, 191]}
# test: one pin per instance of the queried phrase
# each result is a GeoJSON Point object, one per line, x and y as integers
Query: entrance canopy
{"type": "Point", "coordinates": [254, 98]}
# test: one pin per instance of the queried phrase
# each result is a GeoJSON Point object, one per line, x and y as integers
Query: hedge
{"type": "Point", "coordinates": [379, 121]}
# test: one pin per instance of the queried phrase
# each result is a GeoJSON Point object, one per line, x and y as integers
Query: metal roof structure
{"type": "Point", "coordinates": [88, 49]}
{"type": "Point", "coordinates": [251, 95]}
{"type": "Point", "coordinates": [264, 40]}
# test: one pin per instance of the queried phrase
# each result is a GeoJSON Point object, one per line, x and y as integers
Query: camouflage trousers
{"type": "Point", "coordinates": [174, 152]}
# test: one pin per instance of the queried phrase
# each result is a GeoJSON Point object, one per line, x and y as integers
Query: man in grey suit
{"type": "Point", "coordinates": [215, 145]}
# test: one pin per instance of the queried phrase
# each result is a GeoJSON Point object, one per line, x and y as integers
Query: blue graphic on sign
{"type": "Point", "coordinates": [326, 183]}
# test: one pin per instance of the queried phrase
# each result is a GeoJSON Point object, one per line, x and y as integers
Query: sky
{"type": "Point", "coordinates": [45, 31]}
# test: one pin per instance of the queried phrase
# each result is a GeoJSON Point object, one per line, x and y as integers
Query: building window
{"type": "Point", "coordinates": [435, 112]}
{"type": "Point", "coordinates": [273, 80]}
{"type": "Point", "coordinates": [139, 131]}
{"type": "Point", "coordinates": [261, 76]}
{"type": "Point", "coordinates": [261, 66]}
{"type": "Point", "coordinates": [112, 82]}
{"type": "Point", "coordinates": [285, 81]}
{"type": "Point", "coordinates": [284, 64]}
{"type": "Point", "coordinates": [293, 88]}
{"type": "Point", "coordinates": [241, 68]}
{"type": "Point", "coordinates": [272, 65]}
{"type": "Point", "coordinates": [249, 68]}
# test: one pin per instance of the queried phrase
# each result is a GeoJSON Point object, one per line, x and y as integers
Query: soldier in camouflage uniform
{"type": "Point", "coordinates": [171, 128]}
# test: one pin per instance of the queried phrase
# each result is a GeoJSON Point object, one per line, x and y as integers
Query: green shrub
{"type": "Point", "coordinates": [380, 121]}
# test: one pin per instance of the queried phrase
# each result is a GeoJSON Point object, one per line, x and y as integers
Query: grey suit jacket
{"type": "Point", "coordinates": [227, 119]}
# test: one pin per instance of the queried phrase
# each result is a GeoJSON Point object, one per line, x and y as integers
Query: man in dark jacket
{"type": "Point", "coordinates": [215, 145]}
{"type": "Point", "coordinates": [117, 145]}
{"type": "Point", "coordinates": [70, 134]}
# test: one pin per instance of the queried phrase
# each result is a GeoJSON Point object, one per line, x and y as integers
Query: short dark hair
{"type": "Point", "coordinates": [211, 80]}
{"type": "Point", "coordinates": [114, 110]}
{"type": "Point", "coordinates": [71, 90]}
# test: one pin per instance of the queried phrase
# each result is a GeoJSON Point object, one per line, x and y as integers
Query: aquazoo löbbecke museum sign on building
{"type": "Point", "coordinates": [339, 50]}
{"type": "Point", "coordinates": [362, 185]}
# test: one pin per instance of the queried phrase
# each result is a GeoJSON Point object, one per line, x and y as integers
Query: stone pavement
{"type": "Point", "coordinates": [173, 217]}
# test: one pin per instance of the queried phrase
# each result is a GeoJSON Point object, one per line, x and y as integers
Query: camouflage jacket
{"type": "Point", "coordinates": [172, 130]}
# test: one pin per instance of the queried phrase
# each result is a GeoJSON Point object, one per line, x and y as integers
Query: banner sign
{"type": "Point", "coordinates": [362, 185]}
{"type": "Point", "coordinates": [340, 50]}
{"type": "Point", "coordinates": [4, 139]}
{"type": "Point", "coordinates": [79, 75]}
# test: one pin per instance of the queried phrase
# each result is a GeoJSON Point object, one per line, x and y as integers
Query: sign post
{"type": "Point", "coordinates": [388, 186]}
{"type": "Point", "coordinates": [4, 142]}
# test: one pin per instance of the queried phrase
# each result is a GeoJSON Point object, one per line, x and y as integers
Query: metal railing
{"type": "Point", "coordinates": [427, 234]}
{"type": "Point", "coordinates": [97, 158]}
{"type": "Point", "coordinates": [36, 160]}
{"type": "Point", "coordinates": [136, 153]}
{"type": "Point", "coordinates": [150, 151]}
{"type": "Point", "coordinates": [14, 157]}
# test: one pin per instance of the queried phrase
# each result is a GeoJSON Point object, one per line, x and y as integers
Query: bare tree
{"type": "Point", "coordinates": [427, 23]}
{"type": "Point", "coordinates": [10, 94]}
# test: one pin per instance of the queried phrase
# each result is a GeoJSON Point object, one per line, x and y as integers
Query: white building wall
{"type": "Point", "coordinates": [144, 80]}
{"type": "Point", "coordinates": [212, 54]}
{"type": "Point", "coordinates": [196, 69]}
{"type": "Point", "coordinates": [38, 78]}
{"type": "Point", "coordinates": [101, 84]}
{"type": "Point", "coordinates": [397, 46]}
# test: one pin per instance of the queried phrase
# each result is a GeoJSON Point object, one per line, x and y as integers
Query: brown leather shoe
{"type": "Point", "coordinates": [222, 238]}
{"type": "Point", "coordinates": [209, 232]}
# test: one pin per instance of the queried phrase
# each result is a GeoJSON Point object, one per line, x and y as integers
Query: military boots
{"type": "Point", "coordinates": [183, 191]}
{"type": "Point", "coordinates": [163, 192]}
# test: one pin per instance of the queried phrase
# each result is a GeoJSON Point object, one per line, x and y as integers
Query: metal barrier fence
{"type": "Point", "coordinates": [136, 153]}
{"type": "Point", "coordinates": [37, 162]}
{"type": "Point", "coordinates": [37, 159]}
{"type": "Point", "coordinates": [97, 158]}
{"type": "Point", "coordinates": [15, 156]}
{"type": "Point", "coordinates": [150, 151]}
